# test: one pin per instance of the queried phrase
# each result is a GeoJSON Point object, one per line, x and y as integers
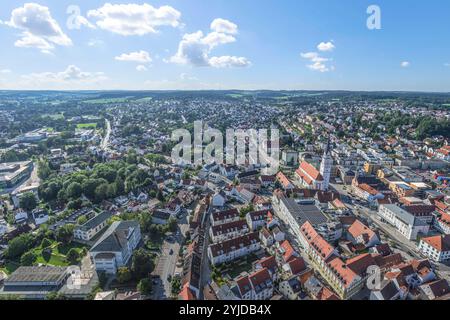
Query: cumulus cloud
{"type": "Point", "coordinates": [326, 46]}
{"type": "Point", "coordinates": [138, 56]}
{"type": "Point", "coordinates": [195, 48]}
{"type": "Point", "coordinates": [405, 64]}
{"type": "Point", "coordinates": [134, 19]}
{"type": "Point", "coordinates": [224, 26]}
{"type": "Point", "coordinates": [141, 68]}
{"type": "Point", "coordinates": [229, 61]}
{"type": "Point", "coordinates": [71, 75]}
{"type": "Point", "coordinates": [318, 63]}
{"type": "Point", "coordinates": [39, 29]}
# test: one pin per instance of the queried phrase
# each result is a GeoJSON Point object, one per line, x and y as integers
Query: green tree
{"type": "Point", "coordinates": [28, 201]}
{"type": "Point", "coordinates": [73, 256]}
{"type": "Point", "coordinates": [18, 246]}
{"type": "Point", "coordinates": [74, 190]}
{"type": "Point", "coordinates": [123, 275]}
{"type": "Point", "coordinates": [173, 224]}
{"type": "Point", "coordinates": [65, 234]}
{"type": "Point", "coordinates": [45, 243]}
{"type": "Point", "coordinates": [145, 286]}
{"type": "Point", "coordinates": [142, 264]}
{"type": "Point", "coordinates": [28, 259]}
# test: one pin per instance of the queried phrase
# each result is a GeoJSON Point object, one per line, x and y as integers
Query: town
{"type": "Point", "coordinates": [92, 206]}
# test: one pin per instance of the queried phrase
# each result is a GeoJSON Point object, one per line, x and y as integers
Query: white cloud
{"type": "Point", "coordinates": [139, 56]}
{"type": "Point", "coordinates": [229, 61]}
{"type": "Point", "coordinates": [71, 75]}
{"type": "Point", "coordinates": [95, 43]}
{"type": "Point", "coordinates": [5, 71]}
{"type": "Point", "coordinates": [326, 46]}
{"type": "Point", "coordinates": [141, 68]}
{"type": "Point", "coordinates": [447, 64]}
{"type": "Point", "coordinates": [405, 64]}
{"type": "Point", "coordinates": [318, 62]}
{"type": "Point", "coordinates": [134, 19]}
{"type": "Point", "coordinates": [82, 21]}
{"type": "Point", "coordinates": [195, 48]}
{"type": "Point", "coordinates": [224, 26]}
{"type": "Point", "coordinates": [39, 29]}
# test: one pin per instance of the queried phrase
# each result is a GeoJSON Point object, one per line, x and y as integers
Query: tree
{"type": "Point", "coordinates": [73, 256]}
{"type": "Point", "coordinates": [145, 286]}
{"type": "Point", "coordinates": [81, 220]}
{"type": "Point", "coordinates": [123, 275]}
{"type": "Point", "coordinates": [173, 224]}
{"type": "Point", "coordinates": [65, 234]}
{"type": "Point", "coordinates": [45, 243]}
{"type": "Point", "coordinates": [28, 258]}
{"type": "Point", "coordinates": [28, 201]}
{"type": "Point", "coordinates": [18, 246]}
{"type": "Point", "coordinates": [142, 264]}
{"type": "Point", "coordinates": [74, 190]}
{"type": "Point", "coordinates": [101, 192]}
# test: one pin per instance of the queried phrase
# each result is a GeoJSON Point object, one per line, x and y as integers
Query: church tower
{"type": "Point", "coordinates": [325, 166]}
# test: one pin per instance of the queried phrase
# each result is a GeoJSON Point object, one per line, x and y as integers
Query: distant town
{"type": "Point", "coordinates": [92, 207]}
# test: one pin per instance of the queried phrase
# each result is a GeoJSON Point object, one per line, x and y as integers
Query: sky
{"type": "Point", "coordinates": [375, 45]}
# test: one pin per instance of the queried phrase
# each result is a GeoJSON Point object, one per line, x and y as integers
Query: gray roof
{"type": "Point", "coordinates": [403, 215]}
{"type": "Point", "coordinates": [95, 221]}
{"type": "Point", "coordinates": [304, 212]}
{"type": "Point", "coordinates": [116, 237]}
{"type": "Point", "coordinates": [36, 274]}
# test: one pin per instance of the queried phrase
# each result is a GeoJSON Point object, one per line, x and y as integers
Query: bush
{"type": "Point", "coordinates": [73, 256]}
{"type": "Point", "coordinates": [45, 243]}
{"type": "Point", "coordinates": [47, 254]}
{"type": "Point", "coordinates": [145, 286]}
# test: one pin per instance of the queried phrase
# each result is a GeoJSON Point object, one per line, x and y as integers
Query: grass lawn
{"type": "Point", "coordinates": [243, 265]}
{"type": "Point", "coordinates": [58, 255]}
{"type": "Point", "coordinates": [86, 126]}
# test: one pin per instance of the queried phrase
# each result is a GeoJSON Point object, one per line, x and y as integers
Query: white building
{"type": "Point", "coordinates": [115, 247]}
{"type": "Point", "coordinates": [92, 227]}
{"type": "Point", "coordinates": [257, 286]}
{"type": "Point", "coordinates": [325, 166]}
{"type": "Point", "coordinates": [406, 223]}
{"type": "Point", "coordinates": [233, 249]}
{"type": "Point", "coordinates": [228, 231]}
{"type": "Point", "coordinates": [436, 248]}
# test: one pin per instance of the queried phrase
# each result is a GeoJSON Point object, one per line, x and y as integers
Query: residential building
{"type": "Point", "coordinates": [92, 227]}
{"type": "Point", "coordinates": [233, 249]}
{"type": "Point", "coordinates": [437, 248]}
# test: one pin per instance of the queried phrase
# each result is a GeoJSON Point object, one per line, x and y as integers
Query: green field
{"type": "Point", "coordinates": [56, 116]}
{"type": "Point", "coordinates": [104, 101]}
{"type": "Point", "coordinates": [86, 126]}
{"type": "Point", "coordinates": [58, 254]}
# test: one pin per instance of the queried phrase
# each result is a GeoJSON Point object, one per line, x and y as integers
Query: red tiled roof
{"type": "Point", "coordinates": [297, 265]}
{"type": "Point", "coordinates": [308, 173]}
{"type": "Point", "coordinates": [345, 274]}
{"type": "Point", "coordinates": [440, 243]}
{"type": "Point", "coordinates": [259, 277]}
{"type": "Point", "coordinates": [358, 228]}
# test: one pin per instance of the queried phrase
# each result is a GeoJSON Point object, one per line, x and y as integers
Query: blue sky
{"type": "Point", "coordinates": [225, 44]}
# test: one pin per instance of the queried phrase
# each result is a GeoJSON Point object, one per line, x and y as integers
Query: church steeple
{"type": "Point", "coordinates": [326, 164]}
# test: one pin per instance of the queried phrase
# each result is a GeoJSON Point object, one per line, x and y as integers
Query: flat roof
{"type": "Point", "coordinates": [36, 274]}
{"type": "Point", "coordinates": [304, 212]}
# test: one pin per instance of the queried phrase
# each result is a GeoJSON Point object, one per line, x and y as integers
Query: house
{"type": "Point", "coordinates": [160, 217]}
{"type": "Point", "coordinates": [295, 266]}
{"type": "Point", "coordinates": [437, 248]}
{"type": "Point", "coordinates": [257, 219]}
{"type": "Point", "coordinates": [359, 233]}
{"type": "Point", "coordinates": [266, 237]}
{"type": "Point", "coordinates": [270, 263]}
{"type": "Point", "coordinates": [290, 288]}
{"type": "Point", "coordinates": [436, 290]}
{"type": "Point", "coordinates": [284, 181]}
{"type": "Point", "coordinates": [233, 249]}
{"type": "Point", "coordinates": [226, 216]}
{"type": "Point", "coordinates": [115, 247]}
{"type": "Point", "coordinates": [388, 291]}
{"type": "Point", "coordinates": [406, 223]}
{"type": "Point", "coordinates": [257, 286]}
{"type": "Point", "coordinates": [174, 206]}
{"type": "Point", "coordinates": [367, 192]}
{"type": "Point", "coordinates": [267, 181]}
{"type": "Point", "coordinates": [230, 230]}
{"type": "Point", "coordinates": [219, 199]}
{"type": "Point", "coordinates": [92, 227]}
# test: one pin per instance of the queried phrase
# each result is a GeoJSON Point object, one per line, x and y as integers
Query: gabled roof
{"type": "Point", "coordinates": [358, 229]}
{"type": "Point", "coordinates": [308, 173]}
{"type": "Point", "coordinates": [115, 239]}
{"type": "Point", "coordinates": [440, 243]}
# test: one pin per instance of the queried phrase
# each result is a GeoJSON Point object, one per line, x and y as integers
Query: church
{"type": "Point", "coordinates": [312, 178]}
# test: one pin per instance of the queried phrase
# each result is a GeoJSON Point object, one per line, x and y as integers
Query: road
{"type": "Point", "coordinates": [105, 141]}
{"type": "Point", "coordinates": [166, 265]}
